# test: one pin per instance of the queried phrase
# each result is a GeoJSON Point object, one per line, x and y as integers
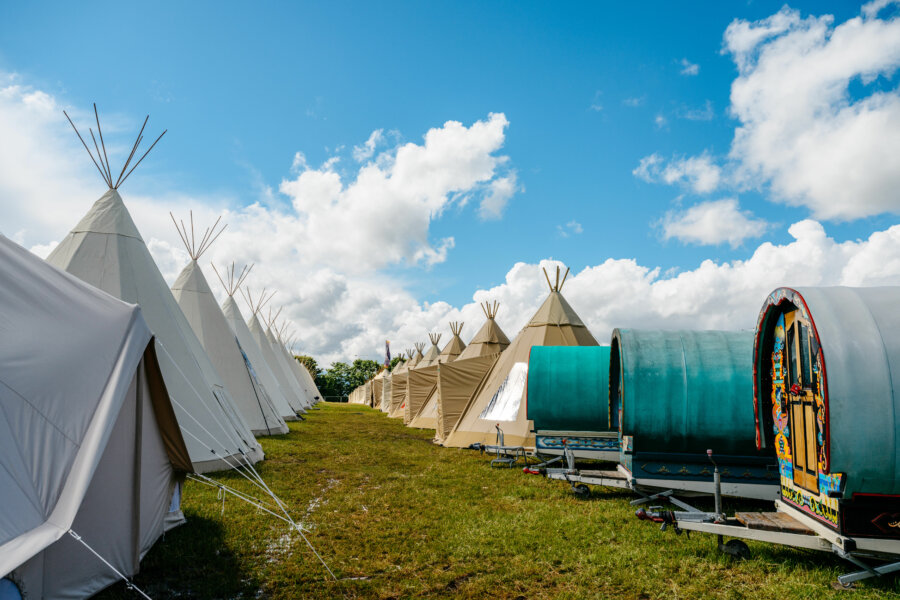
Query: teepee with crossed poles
{"type": "Point", "coordinates": [106, 250]}
{"type": "Point", "coordinates": [498, 400]}
{"type": "Point", "coordinates": [421, 379]}
{"type": "Point", "coordinates": [289, 387]}
{"type": "Point", "coordinates": [196, 299]}
{"type": "Point", "coordinates": [232, 283]}
{"type": "Point", "coordinates": [426, 418]}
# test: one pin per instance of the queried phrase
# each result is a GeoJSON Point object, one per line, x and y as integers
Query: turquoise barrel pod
{"type": "Point", "coordinates": [568, 388]}
{"type": "Point", "coordinates": [684, 391]}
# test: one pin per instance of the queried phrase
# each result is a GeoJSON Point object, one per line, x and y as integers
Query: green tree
{"type": "Point", "coordinates": [394, 362]}
{"type": "Point", "coordinates": [340, 379]}
{"type": "Point", "coordinates": [361, 371]}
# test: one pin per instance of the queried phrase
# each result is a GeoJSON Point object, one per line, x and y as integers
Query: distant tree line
{"type": "Point", "coordinates": [340, 379]}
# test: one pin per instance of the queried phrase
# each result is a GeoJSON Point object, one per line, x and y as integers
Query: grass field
{"type": "Point", "coordinates": [398, 517]}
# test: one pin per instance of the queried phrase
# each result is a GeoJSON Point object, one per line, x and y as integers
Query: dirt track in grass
{"type": "Point", "coordinates": [398, 517]}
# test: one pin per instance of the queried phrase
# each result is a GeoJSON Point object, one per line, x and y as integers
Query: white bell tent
{"type": "Point", "coordinates": [91, 454]}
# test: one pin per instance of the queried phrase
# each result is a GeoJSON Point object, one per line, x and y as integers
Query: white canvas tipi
{"type": "Point", "coordinates": [196, 299]}
{"type": "Point", "coordinates": [282, 359]}
{"type": "Point", "coordinates": [251, 349]}
{"type": "Point", "coordinates": [89, 443]}
{"type": "Point", "coordinates": [291, 392]}
{"type": "Point", "coordinates": [304, 377]}
{"type": "Point", "coordinates": [106, 250]}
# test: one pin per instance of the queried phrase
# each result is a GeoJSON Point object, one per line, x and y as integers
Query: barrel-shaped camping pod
{"type": "Point", "coordinates": [568, 401]}
{"type": "Point", "coordinates": [677, 394]}
{"type": "Point", "coordinates": [827, 363]}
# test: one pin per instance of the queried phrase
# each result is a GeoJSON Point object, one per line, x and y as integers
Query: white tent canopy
{"type": "Point", "coordinates": [89, 442]}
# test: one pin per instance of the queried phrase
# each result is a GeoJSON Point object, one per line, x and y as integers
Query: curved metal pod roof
{"type": "Point", "coordinates": [858, 333]}
{"type": "Point", "coordinates": [685, 391]}
{"type": "Point", "coordinates": [568, 388]}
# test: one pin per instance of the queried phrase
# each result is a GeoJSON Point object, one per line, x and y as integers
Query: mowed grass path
{"type": "Point", "coordinates": [398, 517]}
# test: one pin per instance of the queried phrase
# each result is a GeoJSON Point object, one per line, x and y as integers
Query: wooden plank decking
{"type": "Point", "coordinates": [604, 474]}
{"type": "Point", "coordinates": [772, 521]}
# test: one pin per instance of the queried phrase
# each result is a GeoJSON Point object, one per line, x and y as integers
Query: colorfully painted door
{"type": "Point", "coordinates": [801, 403]}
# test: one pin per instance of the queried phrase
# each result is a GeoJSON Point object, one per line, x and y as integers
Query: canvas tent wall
{"type": "Point", "coordinates": [106, 250]}
{"type": "Point", "coordinates": [678, 394]}
{"type": "Point", "coordinates": [499, 399]}
{"type": "Point", "coordinates": [426, 417]}
{"type": "Point", "coordinates": [377, 387]}
{"type": "Point", "coordinates": [387, 387]}
{"type": "Point", "coordinates": [421, 380]}
{"type": "Point", "coordinates": [398, 386]}
{"type": "Point", "coordinates": [568, 401]}
{"type": "Point", "coordinates": [89, 441]}
{"type": "Point", "coordinates": [457, 381]}
{"type": "Point", "coordinates": [196, 299]}
{"type": "Point", "coordinates": [827, 363]}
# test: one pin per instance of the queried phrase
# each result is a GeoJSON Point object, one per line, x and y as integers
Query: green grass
{"type": "Point", "coordinates": [398, 517]}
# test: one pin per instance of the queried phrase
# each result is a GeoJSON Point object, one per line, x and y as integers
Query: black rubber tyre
{"type": "Point", "coordinates": [737, 549]}
{"type": "Point", "coordinates": [582, 491]}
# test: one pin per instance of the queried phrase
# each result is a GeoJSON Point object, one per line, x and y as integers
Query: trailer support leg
{"type": "Point", "coordinates": [867, 571]}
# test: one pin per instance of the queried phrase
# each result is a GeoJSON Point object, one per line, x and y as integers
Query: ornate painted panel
{"type": "Point", "coordinates": [819, 505]}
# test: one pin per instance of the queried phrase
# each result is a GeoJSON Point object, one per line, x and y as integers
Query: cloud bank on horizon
{"type": "Point", "coordinates": [330, 237]}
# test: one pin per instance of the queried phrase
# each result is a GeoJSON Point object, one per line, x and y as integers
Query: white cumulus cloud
{"type": "Point", "coordinates": [712, 223]}
{"type": "Point", "coordinates": [324, 250]}
{"type": "Point", "coordinates": [801, 129]}
{"type": "Point", "coordinates": [366, 150]}
{"type": "Point", "coordinates": [818, 110]}
{"type": "Point", "coordinates": [689, 68]}
{"type": "Point", "coordinates": [573, 227]}
{"type": "Point", "coordinates": [620, 292]}
{"type": "Point", "coordinates": [697, 173]}
{"type": "Point", "coordinates": [499, 192]}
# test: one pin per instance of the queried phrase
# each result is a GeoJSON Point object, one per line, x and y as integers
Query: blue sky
{"type": "Point", "coordinates": [588, 90]}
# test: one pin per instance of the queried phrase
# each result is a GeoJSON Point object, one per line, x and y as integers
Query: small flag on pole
{"type": "Point", "coordinates": [387, 353]}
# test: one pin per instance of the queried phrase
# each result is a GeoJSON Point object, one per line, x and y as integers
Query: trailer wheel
{"type": "Point", "coordinates": [582, 491]}
{"type": "Point", "coordinates": [736, 548]}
